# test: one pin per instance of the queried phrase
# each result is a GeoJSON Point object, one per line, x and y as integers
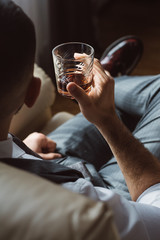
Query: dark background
{"type": "Point", "coordinates": [99, 23]}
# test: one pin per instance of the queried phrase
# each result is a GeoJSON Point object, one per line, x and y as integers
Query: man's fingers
{"type": "Point", "coordinates": [78, 93]}
{"type": "Point", "coordinates": [84, 60]}
{"type": "Point", "coordinates": [99, 70]}
{"type": "Point", "coordinates": [80, 55]}
{"type": "Point", "coordinates": [98, 67]}
{"type": "Point", "coordinates": [50, 145]}
{"type": "Point", "coordinates": [50, 156]}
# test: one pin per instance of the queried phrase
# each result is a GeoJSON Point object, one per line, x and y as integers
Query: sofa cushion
{"type": "Point", "coordinates": [33, 208]}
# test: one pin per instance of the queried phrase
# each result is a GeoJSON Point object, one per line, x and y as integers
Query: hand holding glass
{"type": "Point", "coordinates": [73, 62]}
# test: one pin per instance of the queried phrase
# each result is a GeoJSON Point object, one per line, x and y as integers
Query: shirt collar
{"type": "Point", "coordinates": [8, 149]}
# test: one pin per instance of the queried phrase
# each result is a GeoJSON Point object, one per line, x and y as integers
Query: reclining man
{"type": "Point", "coordinates": [100, 141]}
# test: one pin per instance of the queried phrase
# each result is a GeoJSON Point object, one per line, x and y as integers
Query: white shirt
{"type": "Point", "coordinates": [134, 220]}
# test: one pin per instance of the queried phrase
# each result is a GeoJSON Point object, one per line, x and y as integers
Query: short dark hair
{"type": "Point", "coordinates": [17, 42]}
{"type": "Point", "coordinates": [17, 55]}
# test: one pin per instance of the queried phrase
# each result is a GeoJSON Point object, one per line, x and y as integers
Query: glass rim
{"type": "Point", "coordinates": [76, 43]}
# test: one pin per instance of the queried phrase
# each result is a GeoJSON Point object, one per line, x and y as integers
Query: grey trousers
{"type": "Point", "coordinates": [137, 102]}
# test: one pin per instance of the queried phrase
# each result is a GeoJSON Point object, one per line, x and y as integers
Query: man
{"type": "Point", "coordinates": [79, 141]}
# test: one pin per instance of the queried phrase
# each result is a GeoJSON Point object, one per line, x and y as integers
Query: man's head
{"type": "Point", "coordinates": [17, 53]}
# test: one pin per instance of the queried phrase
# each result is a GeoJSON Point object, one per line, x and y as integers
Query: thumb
{"type": "Point", "coordinates": [78, 93]}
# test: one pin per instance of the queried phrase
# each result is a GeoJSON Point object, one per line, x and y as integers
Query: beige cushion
{"type": "Point", "coordinates": [32, 208]}
{"type": "Point", "coordinates": [33, 119]}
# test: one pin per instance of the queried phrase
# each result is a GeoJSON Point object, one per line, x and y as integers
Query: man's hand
{"type": "Point", "coordinates": [42, 145]}
{"type": "Point", "coordinates": [99, 103]}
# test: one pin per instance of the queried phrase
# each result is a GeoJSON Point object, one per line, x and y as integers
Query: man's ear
{"type": "Point", "coordinates": [33, 91]}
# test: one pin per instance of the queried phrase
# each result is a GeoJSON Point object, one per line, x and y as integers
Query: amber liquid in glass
{"type": "Point", "coordinates": [81, 80]}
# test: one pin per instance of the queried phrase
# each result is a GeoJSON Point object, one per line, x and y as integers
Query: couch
{"type": "Point", "coordinates": [32, 208]}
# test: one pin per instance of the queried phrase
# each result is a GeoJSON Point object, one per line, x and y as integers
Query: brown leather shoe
{"type": "Point", "coordinates": [121, 57]}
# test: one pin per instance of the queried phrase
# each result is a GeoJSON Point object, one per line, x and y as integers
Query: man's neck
{"type": "Point", "coordinates": [4, 128]}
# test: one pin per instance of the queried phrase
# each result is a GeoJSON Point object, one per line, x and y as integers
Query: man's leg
{"type": "Point", "coordinates": [80, 141]}
{"type": "Point", "coordinates": [138, 99]}
{"type": "Point", "coordinates": [138, 102]}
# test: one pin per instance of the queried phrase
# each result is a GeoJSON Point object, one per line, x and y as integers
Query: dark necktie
{"type": "Point", "coordinates": [44, 168]}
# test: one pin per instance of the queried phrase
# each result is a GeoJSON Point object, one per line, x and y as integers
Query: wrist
{"type": "Point", "coordinates": [107, 120]}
